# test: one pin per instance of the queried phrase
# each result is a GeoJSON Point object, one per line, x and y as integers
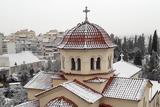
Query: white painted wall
{"type": "Point", "coordinates": [11, 47]}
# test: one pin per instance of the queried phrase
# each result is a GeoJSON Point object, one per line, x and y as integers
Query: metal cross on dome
{"type": "Point", "coordinates": [86, 11]}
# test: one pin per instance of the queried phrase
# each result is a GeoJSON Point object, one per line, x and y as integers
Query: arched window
{"type": "Point", "coordinates": [78, 64]}
{"type": "Point", "coordinates": [72, 64]}
{"type": "Point", "coordinates": [98, 63]}
{"type": "Point", "coordinates": [109, 62]}
{"type": "Point", "coordinates": [92, 63]}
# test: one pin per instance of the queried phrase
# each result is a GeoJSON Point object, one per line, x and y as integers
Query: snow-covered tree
{"type": "Point", "coordinates": [2, 100]}
{"type": "Point", "coordinates": [151, 70]}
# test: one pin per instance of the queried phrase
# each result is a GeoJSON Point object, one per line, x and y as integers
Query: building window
{"type": "Point", "coordinates": [109, 61]}
{"type": "Point", "coordinates": [79, 64]}
{"type": "Point", "coordinates": [92, 63]}
{"type": "Point", "coordinates": [98, 63]}
{"type": "Point", "coordinates": [72, 64]}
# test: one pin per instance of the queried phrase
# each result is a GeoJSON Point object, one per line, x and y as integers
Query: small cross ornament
{"type": "Point", "coordinates": [121, 56]}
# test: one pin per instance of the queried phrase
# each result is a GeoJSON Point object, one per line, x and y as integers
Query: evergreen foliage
{"type": "Point", "coordinates": [150, 45]}
{"type": "Point", "coordinates": [155, 42]}
{"type": "Point", "coordinates": [138, 58]}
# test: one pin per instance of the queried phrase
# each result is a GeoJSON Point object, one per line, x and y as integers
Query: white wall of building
{"type": "Point", "coordinates": [11, 47]}
{"type": "Point", "coordinates": [4, 61]}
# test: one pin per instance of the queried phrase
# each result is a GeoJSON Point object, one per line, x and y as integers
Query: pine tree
{"type": "Point", "coordinates": [155, 43]}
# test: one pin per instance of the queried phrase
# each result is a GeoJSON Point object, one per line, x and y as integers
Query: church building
{"type": "Point", "coordinates": [87, 78]}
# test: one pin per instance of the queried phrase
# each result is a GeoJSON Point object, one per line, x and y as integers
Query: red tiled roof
{"type": "Point", "coordinates": [61, 102]}
{"type": "Point", "coordinates": [83, 91]}
{"type": "Point", "coordinates": [125, 88]}
{"type": "Point", "coordinates": [86, 36]}
{"type": "Point", "coordinates": [79, 89]}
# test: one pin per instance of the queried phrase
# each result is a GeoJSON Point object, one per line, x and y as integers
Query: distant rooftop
{"type": "Point", "coordinates": [21, 58]}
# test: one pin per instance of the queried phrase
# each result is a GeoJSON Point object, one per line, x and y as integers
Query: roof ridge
{"type": "Point", "coordinates": [94, 78]}
{"type": "Point", "coordinates": [107, 84]}
{"type": "Point", "coordinates": [132, 78]}
{"type": "Point", "coordinates": [80, 83]}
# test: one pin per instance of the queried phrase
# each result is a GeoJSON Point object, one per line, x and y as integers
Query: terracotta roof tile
{"type": "Point", "coordinates": [86, 36]}
{"type": "Point", "coordinates": [61, 102]}
{"type": "Point", "coordinates": [125, 88]}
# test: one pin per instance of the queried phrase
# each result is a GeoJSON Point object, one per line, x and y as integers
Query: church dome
{"type": "Point", "coordinates": [86, 35]}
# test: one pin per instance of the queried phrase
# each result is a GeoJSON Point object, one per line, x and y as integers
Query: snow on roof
{"type": "Point", "coordinates": [155, 88]}
{"type": "Point", "coordinates": [4, 68]}
{"type": "Point", "coordinates": [125, 69]}
{"type": "Point", "coordinates": [33, 103]}
{"type": "Point", "coordinates": [41, 80]}
{"type": "Point", "coordinates": [21, 58]}
{"type": "Point", "coordinates": [96, 80]}
{"type": "Point", "coordinates": [125, 88]}
{"type": "Point", "coordinates": [58, 77]}
{"type": "Point", "coordinates": [82, 91]}
{"type": "Point", "coordinates": [61, 102]}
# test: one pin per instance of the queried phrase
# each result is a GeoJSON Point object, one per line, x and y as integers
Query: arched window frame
{"type": "Point", "coordinates": [63, 62]}
{"type": "Point", "coordinates": [73, 64]}
{"type": "Point", "coordinates": [98, 63]}
{"type": "Point", "coordinates": [109, 62]}
{"type": "Point", "coordinates": [78, 64]}
{"type": "Point", "coordinates": [92, 63]}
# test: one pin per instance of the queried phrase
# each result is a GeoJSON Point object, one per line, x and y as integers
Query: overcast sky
{"type": "Point", "coordinates": [121, 17]}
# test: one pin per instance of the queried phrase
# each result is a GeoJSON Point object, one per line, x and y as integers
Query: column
{"type": "Point", "coordinates": [76, 64]}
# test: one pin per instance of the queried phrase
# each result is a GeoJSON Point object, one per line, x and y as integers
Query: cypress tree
{"type": "Point", "coordinates": [150, 45]}
{"type": "Point", "coordinates": [155, 42]}
{"type": "Point", "coordinates": [135, 41]}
